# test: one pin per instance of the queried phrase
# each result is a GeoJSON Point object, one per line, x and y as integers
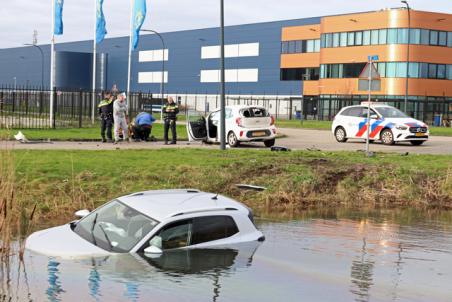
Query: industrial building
{"type": "Point", "coordinates": [307, 65]}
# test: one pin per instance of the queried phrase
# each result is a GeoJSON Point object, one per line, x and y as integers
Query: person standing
{"type": "Point", "coordinates": [105, 110]}
{"type": "Point", "coordinates": [170, 111]}
{"type": "Point", "coordinates": [120, 117]}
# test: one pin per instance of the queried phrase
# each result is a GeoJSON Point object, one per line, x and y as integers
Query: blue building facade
{"type": "Point", "coordinates": [188, 70]}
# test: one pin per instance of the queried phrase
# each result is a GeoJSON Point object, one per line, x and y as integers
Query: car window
{"type": "Point", "coordinates": [228, 113]}
{"type": "Point", "coordinates": [215, 116]}
{"type": "Point", "coordinates": [254, 112]}
{"type": "Point", "coordinates": [212, 228]}
{"type": "Point", "coordinates": [173, 235]}
{"type": "Point", "coordinates": [390, 112]}
{"type": "Point", "coordinates": [354, 111]}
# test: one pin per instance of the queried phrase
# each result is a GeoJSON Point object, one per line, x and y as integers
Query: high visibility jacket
{"type": "Point", "coordinates": [105, 108]}
{"type": "Point", "coordinates": [170, 111]}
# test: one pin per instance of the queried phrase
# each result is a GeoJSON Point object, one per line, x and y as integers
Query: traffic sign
{"type": "Point", "coordinates": [369, 71]}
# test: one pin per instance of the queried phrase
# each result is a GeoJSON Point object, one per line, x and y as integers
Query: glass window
{"type": "Point", "coordinates": [415, 36]}
{"type": "Point", "coordinates": [212, 228]}
{"type": "Point", "coordinates": [335, 71]}
{"type": "Point", "coordinates": [285, 47]}
{"type": "Point", "coordinates": [374, 37]}
{"type": "Point", "coordinates": [423, 70]}
{"type": "Point", "coordinates": [441, 71]}
{"type": "Point", "coordinates": [449, 39]}
{"type": "Point", "coordinates": [329, 40]}
{"type": "Point", "coordinates": [449, 72]}
{"type": "Point", "coordinates": [359, 38]}
{"type": "Point", "coordinates": [336, 40]}
{"type": "Point", "coordinates": [303, 46]}
{"type": "Point", "coordinates": [390, 70]}
{"type": "Point", "coordinates": [317, 45]}
{"type": "Point", "coordinates": [310, 46]}
{"type": "Point", "coordinates": [401, 70]}
{"type": "Point", "coordinates": [343, 39]}
{"type": "Point", "coordinates": [442, 38]}
{"type": "Point", "coordinates": [291, 47]}
{"type": "Point", "coordinates": [433, 37]}
{"type": "Point", "coordinates": [381, 67]}
{"type": "Point", "coordinates": [413, 70]}
{"type": "Point", "coordinates": [425, 36]}
{"type": "Point", "coordinates": [392, 36]}
{"type": "Point", "coordinates": [432, 71]}
{"type": "Point", "coordinates": [351, 39]}
{"type": "Point", "coordinates": [174, 235]}
{"type": "Point", "coordinates": [402, 36]}
{"type": "Point", "coordinates": [366, 37]}
{"type": "Point", "coordinates": [382, 36]}
{"type": "Point", "coordinates": [298, 47]}
{"type": "Point", "coordinates": [389, 112]}
{"type": "Point", "coordinates": [322, 41]}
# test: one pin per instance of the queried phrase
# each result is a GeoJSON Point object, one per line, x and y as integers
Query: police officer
{"type": "Point", "coordinates": [170, 111]}
{"type": "Point", "coordinates": [105, 109]}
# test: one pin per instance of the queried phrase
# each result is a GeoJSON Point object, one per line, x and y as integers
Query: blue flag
{"type": "Point", "coordinates": [101, 30]}
{"type": "Point", "coordinates": [139, 14]}
{"type": "Point", "coordinates": [58, 16]}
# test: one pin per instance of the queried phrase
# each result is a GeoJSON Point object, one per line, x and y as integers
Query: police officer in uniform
{"type": "Point", "coordinates": [170, 111]}
{"type": "Point", "coordinates": [105, 109]}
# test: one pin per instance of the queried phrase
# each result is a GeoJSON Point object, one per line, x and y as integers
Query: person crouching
{"type": "Point", "coordinates": [120, 117]}
{"type": "Point", "coordinates": [142, 126]}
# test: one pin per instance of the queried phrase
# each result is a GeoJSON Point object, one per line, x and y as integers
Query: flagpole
{"type": "Point", "coordinates": [93, 105]}
{"type": "Point", "coordinates": [52, 66]}
{"type": "Point", "coordinates": [129, 67]}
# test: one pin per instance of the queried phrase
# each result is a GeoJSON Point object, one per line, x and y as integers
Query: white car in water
{"type": "Point", "coordinates": [388, 124]}
{"type": "Point", "coordinates": [243, 124]}
{"type": "Point", "coordinates": [150, 222]}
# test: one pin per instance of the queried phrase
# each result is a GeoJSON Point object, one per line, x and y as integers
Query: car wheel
{"type": "Point", "coordinates": [387, 137]}
{"type": "Point", "coordinates": [232, 140]}
{"type": "Point", "coordinates": [269, 143]}
{"type": "Point", "coordinates": [340, 135]}
{"type": "Point", "coordinates": [417, 143]}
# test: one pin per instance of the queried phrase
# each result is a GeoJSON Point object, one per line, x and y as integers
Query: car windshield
{"type": "Point", "coordinates": [390, 112]}
{"type": "Point", "coordinates": [115, 227]}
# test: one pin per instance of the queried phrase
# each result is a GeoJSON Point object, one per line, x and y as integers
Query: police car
{"type": "Point", "coordinates": [387, 124]}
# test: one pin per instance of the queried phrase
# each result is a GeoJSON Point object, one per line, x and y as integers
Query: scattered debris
{"type": "Point", "coordinates": [279, 148]}
{"type": "Point", "coordinates": [404, 154]}
{"type": "Point", "coordinates": [250, 187]}
{"type": "Point", "coordinates": [313, 148]}
{"type": "Point", "coordinates": [21, 137]}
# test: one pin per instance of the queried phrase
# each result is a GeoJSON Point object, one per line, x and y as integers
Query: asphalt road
{"type": "Point", "coordinates": [295, 139]}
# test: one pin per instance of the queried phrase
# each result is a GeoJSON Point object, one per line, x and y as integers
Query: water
{"type": "Point", "coordinates": [349, 257]}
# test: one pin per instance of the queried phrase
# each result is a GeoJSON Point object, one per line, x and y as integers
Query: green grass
{"type": "Point", "coordinates": [326, 125]}
{"type": "Point", "coordinates": [63, 181]}
{"type": "Point", "coordinates": [80, 134]}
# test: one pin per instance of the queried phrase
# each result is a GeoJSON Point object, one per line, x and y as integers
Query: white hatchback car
{"type": "Point", "coordinates": [387, 124]}
{"type": "Point", "coordinates": [150, 222]}
{"type": "Point", "coordinates": [243, 124]}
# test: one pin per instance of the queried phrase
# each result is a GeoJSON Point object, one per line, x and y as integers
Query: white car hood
{"type": "Point", "coordinates": [62, 242]}
{"type": "Point", "coordinates": [410, 122]}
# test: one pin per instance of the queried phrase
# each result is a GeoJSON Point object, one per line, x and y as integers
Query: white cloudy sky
{"type": "Point", "coordinates": [18, 18]}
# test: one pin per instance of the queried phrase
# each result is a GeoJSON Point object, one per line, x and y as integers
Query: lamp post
{"type": "Point", "coordinates": [162, 84]}
{"type": "Point", "coordinates": [42, 62]}
{"type": "Point", "coordinates": [222, 75]}
{"type": "Point", "coordinates": [407, 55]}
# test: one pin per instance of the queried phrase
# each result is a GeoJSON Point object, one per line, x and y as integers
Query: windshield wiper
{"type": "Point", "coordinates": [92, 228]}
{"type": "Point", "coordinates": [106, 236]}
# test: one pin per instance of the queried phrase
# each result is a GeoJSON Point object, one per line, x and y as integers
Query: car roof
{"type": "Point", "coordinates": [162, 204]}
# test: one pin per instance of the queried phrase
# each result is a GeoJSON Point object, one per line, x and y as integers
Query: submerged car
{"type": "Point", "coordinates": [387, 124]}
{"type": "Point", "coordinates": [151, 222]}
{"type": "Point", "coordinates": [243, 124]}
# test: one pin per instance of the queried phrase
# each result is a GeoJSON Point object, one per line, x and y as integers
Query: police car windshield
{"type": "Point", "coordinates": [389, 112]}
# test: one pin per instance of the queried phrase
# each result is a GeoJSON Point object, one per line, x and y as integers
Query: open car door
{"type": "Point", "coordinates": [196, 126]}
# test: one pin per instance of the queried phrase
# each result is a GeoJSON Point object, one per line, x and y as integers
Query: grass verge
{"type": "Point", "coordinates": [60, 182]}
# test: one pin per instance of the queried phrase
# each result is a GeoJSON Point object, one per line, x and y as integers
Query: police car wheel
{"type": "Point", "coordinates": [417, 143]}
{"type": "Point", "coordinates": [387, 137]}
{"type": "Point", "coordinates": [232, 140]}
{"type": "Point", "coordinates": [340, 134]}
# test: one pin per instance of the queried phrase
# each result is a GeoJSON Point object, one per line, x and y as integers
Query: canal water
{"type": "Point", "coordinates": [339, 256]}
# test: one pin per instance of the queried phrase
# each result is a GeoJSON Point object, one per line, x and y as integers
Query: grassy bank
{"type": "Point", "coordinates": [80, 134]}
{"type": "Point", "coordinates": [326, 125]}
{"type": "Point", "coordinates": [61, 181]}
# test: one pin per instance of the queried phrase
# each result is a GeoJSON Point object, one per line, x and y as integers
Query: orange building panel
{"type": "Point", "coordinates": [300, 60]}
{"type": "Point", "coordinates": [305, 32]}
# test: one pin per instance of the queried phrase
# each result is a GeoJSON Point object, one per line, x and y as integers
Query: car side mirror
{"type": "Point", "coordinates": [82, 213]}
{"type": "Point", "coordinates": [374, 117]}
{"type": "Point", "coordinates": [153, 251]}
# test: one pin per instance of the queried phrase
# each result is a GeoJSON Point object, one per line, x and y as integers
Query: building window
{"type": "Point", "coordinates": [390, 70]}
{"type": "Point", "coordinates": [432, 71]}
{"type": "Point", "coordinates": [441, 71]}
{"type": "Point", "coordinates": [317, 45]}
{"type": "Point", "coordinates": [351, 39]}
{"type": "Point", "coordinates": [415, 36]}
{"type": "Point", "coordinates": [433, 37]}
{"type": "Point", "coordinates": [382, 36]}
{"type": "Point", "coordinates": [381, 67]}
{"type": "Point", "coordinates": [374, 37]}
{"type": "Point", "coordinates": [402, 36]}
{"type": "Point", "coordinates": [329, 40]}
{"type": "Point", "coordinates": [310, 46]}
{"type": "Point", "coordinates": [291, 47]}
{"type": "Point", "coordinates": [423, 70]}
{"type": "Point", "coordinates": [413, 70]}
{"type": "Point", "coordinates": [359, 38]}
{"type": "Point", "coordinates": [401, 70]}
{"type": "Point", "coordinates": [449, 72]}
{"type": "Point", "coordinates": [392, 36]}
{"type": "Point", "coordinates": [449, 39]}
{"type": "Point", "coordinates": [284, 47]}
{"type": "Point", "coordinates": [425, 37]}
{"type": "Point", "coordinates": [442, 38]}
{"type": "Point", "coordinates": [366, 37]}
{"type": "Point", "coordinates": [336, 40]}
{"type": "Point", "coordinates": [298, 47]}
{"type": "Point", "coordinates": [343, 39]}
{"type": "Point", "coordinates": [299, 74]}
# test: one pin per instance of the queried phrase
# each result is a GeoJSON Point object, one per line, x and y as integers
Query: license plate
{"type": "Point", "coordinates": [259, 133]}
{"type": "Point", "coordinates": [420, 134]}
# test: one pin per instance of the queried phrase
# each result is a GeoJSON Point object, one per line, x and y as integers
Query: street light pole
{"type": "Point", "coordinates": [407, 55]}
{"type": "Point", "coordinates": [42, 62]}
{"type": "Point", "coordinates": [222, 77]}
{"type": "Point", "coordinates": [162, 84]}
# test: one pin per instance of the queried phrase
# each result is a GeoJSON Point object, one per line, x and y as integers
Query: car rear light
{"type": "Point", "coordinates": [238, 121]}
{"type": "Point", "coordinates": [241, 133]}
{"type": "Point", "coordinates": [272, 120]}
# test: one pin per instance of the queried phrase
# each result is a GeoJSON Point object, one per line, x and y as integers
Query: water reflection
{"type": "Point", "coordinates": [54, 290]}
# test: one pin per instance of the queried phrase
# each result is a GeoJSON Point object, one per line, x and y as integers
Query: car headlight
{"type": "Point", "coordinates": [401, 127]}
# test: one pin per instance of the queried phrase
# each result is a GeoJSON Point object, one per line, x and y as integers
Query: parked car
{"type": "Point", "coordinates": [243, 124]}
{"type": "Point", "coordinates": [150, 222]}
{"type": "Point", "coordinates": [388, 124]}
